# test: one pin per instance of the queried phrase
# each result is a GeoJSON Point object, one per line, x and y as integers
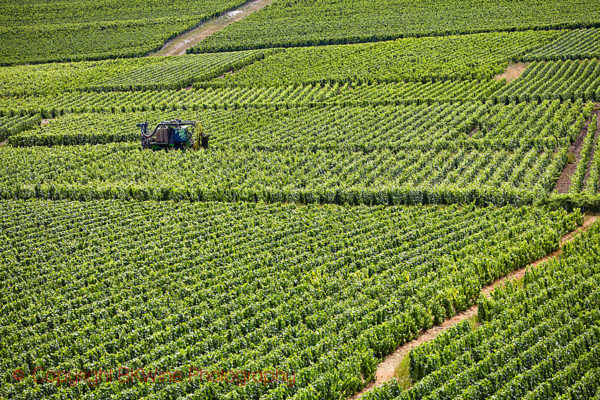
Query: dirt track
{"type": "Point", "coordinates": [512, 72]}
{"type": "Point", "coordinates": [179, 45]}
{"type": "Point", "coordinates": [386, 369]}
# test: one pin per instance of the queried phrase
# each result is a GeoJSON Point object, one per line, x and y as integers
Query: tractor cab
{"type": "Point", "coordinates": [175, 134]}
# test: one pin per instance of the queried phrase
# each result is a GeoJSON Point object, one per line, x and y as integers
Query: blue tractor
{"type": "Point", "coordinates": [175, 134]}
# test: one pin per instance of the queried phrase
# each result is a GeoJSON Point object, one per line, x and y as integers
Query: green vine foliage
{"type": "Point", "coordinates": [323, 291]}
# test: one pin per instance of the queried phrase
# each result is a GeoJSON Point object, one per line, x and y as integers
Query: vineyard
{"type": "Point", "coordinates": [555, 80]}
{"type": "Point", "coordinates": [122, 75]}
{"type": "Point", "coordinates": [203, 98]}
{"type": "Point", "coordinates": [367, 128]}
{"type": "Point", "coordinates": [294, 23]}
{"type": "Point", "coordinates": [333, 261]}
{"type": "Point", "coordinates": [12, 126]}
{"type": "Point", "coordinates": [537, 340]}
{"type": "Point", "coordinates": [40, 31]}
{"type": "Point", "coordinates": [408, 60]}
{"type": "Point", "coordinates": [384, 177]}
{"type": "Point", "coordinates": [579, 43]}
{"type": "Point", "coordinates": [397, 201]}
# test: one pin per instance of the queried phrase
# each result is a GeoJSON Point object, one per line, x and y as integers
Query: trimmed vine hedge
{"type": "Point", "coordinates": [438, 126]}
{"type": "Point", "coordinates": [293, 23]}
{"type": "Point", "coordinates": [148, 73]}
{"type": "Point", "coordinates": [464, 57]}
{"type": "Point", "coordinates": [37, 31]}
{"type": "Point", "coordinates": [563, 80]}
{"type": "Point", "coordinates": [175, 285]}
{"type": "Point", "coordinates": [538, 338]}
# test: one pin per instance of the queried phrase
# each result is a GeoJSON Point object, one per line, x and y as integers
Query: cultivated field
{"type": "Point", "coordinates": [398, 200]}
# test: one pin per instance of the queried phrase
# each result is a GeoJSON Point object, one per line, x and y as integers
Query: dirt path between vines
{"type": "Point", "coordinates": [512, 72]}
{"type": "Point", "coordinates": [179, 45]}
{"type": "Point", "coordinates": [386, 369]}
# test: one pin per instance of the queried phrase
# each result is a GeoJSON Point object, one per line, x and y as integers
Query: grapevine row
{"type": "Point", "coordinates": [464, 57]}
{"type": "Point", "coordinates": [321, 291]}
{"type": "Point", "coordinates": [593, 180]}
{"type": "Point", "coordinates": [473, 125]}
{"type": "Point", "coordinates": [577, 43]}
{"type": "Point", "coordinates": [310, 23]}
{"type": "Point", "coordinates": [384, 177]}
{"type": "Point", "coordinates": [38, 32]}
{"type": "Point", "coordinates": [538, 340]}
{"type": "Point", "coordinates": [573, 79]}
{"type": "Point", "coordinates": [238, 97]}
{"type": "Point", "coordinates": [577, 181]}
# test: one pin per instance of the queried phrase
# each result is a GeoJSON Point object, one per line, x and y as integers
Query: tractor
{"type": "Point", "coordinates": [175, 134]}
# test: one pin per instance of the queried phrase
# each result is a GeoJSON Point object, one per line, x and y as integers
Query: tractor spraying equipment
{"type": "Point", "coordinates": [175, 134]}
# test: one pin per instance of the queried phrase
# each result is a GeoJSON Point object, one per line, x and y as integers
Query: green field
{"type": "Point", "coordinates": [465, 57]}
{"type": "Point", "coordinates": [369, 127]}
{"type": "Point", "coordinates": [36, 31]}
{"type": "Point", "coordinates": [305, 289]}
{"type": "Point", "coordinates": [377, 171]}
{"type": "Point", "coordinates": [537, 339]}
{"type": "Point", "coordinates": [121, 75]}
{"type": "Point", "coordinates": [288, 23]}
